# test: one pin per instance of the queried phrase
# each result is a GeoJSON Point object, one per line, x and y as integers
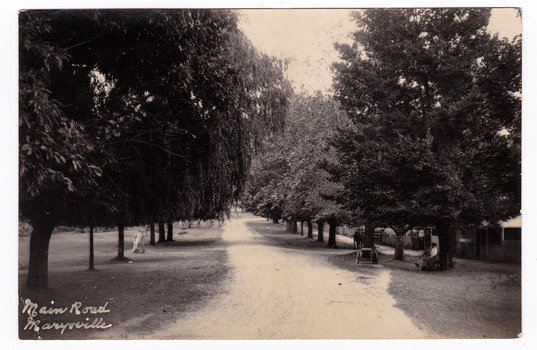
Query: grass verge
{"type": "Point", "coordinates": [151, 291]}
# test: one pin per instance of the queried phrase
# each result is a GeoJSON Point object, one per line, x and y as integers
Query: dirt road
{"type": "Point", "coordinates": [281, 293]}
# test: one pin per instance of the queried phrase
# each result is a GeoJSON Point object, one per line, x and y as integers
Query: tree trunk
{"type": "Point", "coordinates": [477, 244]}
{"type": "Point", "coordinates": [91, 254]}
{"type": "Point", "coordinates": [332, 234]}
{"type": "Point", "coordinates": [288, 226]}
{"type": "Point", "coordinates": [302, 228]}
{"type": "Point", "coordinates": [295, 227]}
{"type": "Point", "coordinates": [275, 220]}
{"type": "Point", "coordinates": [444, 237]}
{"type": "Point", "coordinates": [320, 229]}
{"type": "Point", "coordinates": [39, 244]}
{"type": "Point", "coordinates": [161, 233]}
{"type": "Point", "coordinates": [170, 232]}
{"type": "Point", "coordinates": [152, 233]}
{"type": "Point", "coordinates": [310, 229]}
{"type": "Point", "coordinates": [399, 253]}
{"type": "Point", "coordinates": [120, 244]}
{"type": "Point", "coordinates": [368, 238]}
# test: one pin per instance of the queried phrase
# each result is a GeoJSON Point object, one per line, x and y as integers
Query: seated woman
{"type": "Point", "coordinates": [428, 260]}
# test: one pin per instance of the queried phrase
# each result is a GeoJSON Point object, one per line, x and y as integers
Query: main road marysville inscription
{"type": "Point", "coordinates": [89, 316]}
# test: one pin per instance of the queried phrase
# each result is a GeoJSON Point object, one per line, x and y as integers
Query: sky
{"type": "Point", "coordinates": [306, 38]}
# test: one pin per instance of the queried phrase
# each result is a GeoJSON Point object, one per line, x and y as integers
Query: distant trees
{"type": "Point", "coordinates": [290, 179]}
{"type": "Point", "coordinates": [435, 102]}
{"type": "Point", "coordinates": [132, 117]}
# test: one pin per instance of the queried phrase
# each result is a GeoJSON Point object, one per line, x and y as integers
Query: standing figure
{"type": "Point", "coordinates": [138, 245]}
{"type": "Point", "coordinates": [357, 240]}
{"type": "Point", "coordinates": [374, 255]}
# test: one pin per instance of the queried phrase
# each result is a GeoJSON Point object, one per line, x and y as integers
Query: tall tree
{"type": "Point", "coordinates": [54, 164]}
{"type": "Point", "coordinates": [314, 192]}
{"type": "Point", "coordinates": [435, 102]}
{"type": "Point", "coordinates": [291, 178]}
{"type": "Point", "coordinates": [153, 115]}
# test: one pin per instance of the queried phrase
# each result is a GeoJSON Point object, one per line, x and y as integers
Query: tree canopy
{"type": "Point", "coordinates": [435, 102]}
{"type": "Point", "coordinates": [290, 179]}
{"type": "Point", "coordinates": [132, 116]}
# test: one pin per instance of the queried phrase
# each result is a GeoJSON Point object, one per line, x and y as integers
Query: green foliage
{"type": "Point", "coordinates": [429, 91]}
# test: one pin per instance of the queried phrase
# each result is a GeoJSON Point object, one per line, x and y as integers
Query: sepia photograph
{"type": "Point", "coordinates": [270, 173]}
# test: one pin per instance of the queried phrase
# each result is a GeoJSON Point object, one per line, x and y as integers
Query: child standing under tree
{"type": "Point", "coordinates": [139, 243]}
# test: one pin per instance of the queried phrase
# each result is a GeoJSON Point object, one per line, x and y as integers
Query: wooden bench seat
{"type": "Point", "coordinates": [443, 262]}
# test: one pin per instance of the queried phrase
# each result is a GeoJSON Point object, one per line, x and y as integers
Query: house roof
{"type": "Point", "coordinates": [513, 223]}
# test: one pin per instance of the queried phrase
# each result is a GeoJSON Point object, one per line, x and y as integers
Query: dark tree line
{"type": "Point", "coordinates": [436, 103]}
{"type": "Point", "coordinates": [434, 140]}
{"type": "Point", "coordinates": [137, 117]}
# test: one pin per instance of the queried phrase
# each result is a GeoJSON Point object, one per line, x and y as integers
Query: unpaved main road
{"type": "Point", "coordinates": [280, 293]}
